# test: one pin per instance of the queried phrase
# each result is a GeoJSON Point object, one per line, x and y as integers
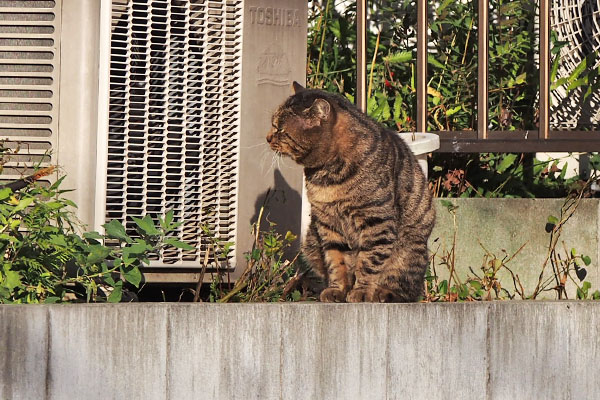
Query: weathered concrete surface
{"type": "Point", "coordinates": [437, 352]}
{"type": "Point", "coordinates": [501, 350]}
{"type": "Point", "coordinates": [107, 351]}
{"type": "Point", "coordinates": [542, 350]}
{"type": "Point", "coordinates": [334, 352]}
{"type": "Point", "coordinates": [224, 352]}
{"type": "Point", "coordinates": [23, 352]}
{"type": "Point", "coordinates": [502, 226]}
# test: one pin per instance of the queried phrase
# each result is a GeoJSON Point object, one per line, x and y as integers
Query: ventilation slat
{"type": "Point", "coordinates": [27, 49]}
{"type": "Point", "coordinates": [26, 10]}
{"type": "Point", "coordinates": [33, 24]}
{"type": "Point", "coordinates": [26, 35]}
{"type": "Point", "coordinates": [22, 112]}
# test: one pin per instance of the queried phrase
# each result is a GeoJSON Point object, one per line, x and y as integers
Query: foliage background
{"type": "Point", "coordinates": [452, 84]}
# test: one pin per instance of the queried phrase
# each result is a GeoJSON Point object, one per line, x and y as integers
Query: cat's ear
{"type": "Point", "coordinates": [317, 113]}
{"type": "Point", "coordinates": [320, 109]}
{"type": "Point", "coordinates": [297, 88]}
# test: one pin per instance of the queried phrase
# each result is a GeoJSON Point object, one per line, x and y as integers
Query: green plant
{"type": "Point", "coordinates": [268, 276]}
{"type": "Point", "coordinates": [452, 84]}
{"type": "Point", "coordinates": [475, 287]}
{"type": "Point", "coordinates": [46, 260]}
{"type": "Point", "coordinates": [559, 267]}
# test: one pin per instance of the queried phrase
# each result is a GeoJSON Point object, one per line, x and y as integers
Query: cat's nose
{"type": "Point", "coordinates": [269, 136]}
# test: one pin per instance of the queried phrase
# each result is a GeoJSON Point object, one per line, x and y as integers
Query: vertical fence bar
{"type": "Point", "coordinates": [544, 106]}
{"type": "Point", "coordinates": [421, 65]}
{"type": "Point", "coordinates": [361, 55]}
{"type": "Point", "coordinates": [482, 69]}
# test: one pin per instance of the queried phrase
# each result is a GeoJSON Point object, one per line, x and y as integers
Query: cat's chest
{"type": "Point", "coordinates": [336, 216]}
{"type": "Point", "coordinates": [326, 194]}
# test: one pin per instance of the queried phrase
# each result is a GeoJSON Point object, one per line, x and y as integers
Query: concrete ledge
{"type": "Point", "coordinates": [500, 350]}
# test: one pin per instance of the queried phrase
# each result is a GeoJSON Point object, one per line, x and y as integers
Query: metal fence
{"type": "Point", "coordinates": [482, 139]}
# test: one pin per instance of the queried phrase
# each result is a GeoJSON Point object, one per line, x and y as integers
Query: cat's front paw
{"type": "Point", "coordinates": [371, 295]}
{"type": "Point", "coordinates": [333, 295]}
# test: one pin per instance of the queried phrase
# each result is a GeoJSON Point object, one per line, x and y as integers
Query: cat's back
{"type": "Point", "coordinates": [413, 195]}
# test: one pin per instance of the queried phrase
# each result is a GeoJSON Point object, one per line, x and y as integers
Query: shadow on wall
{"type": "Point", "coordinates": [283, 207]}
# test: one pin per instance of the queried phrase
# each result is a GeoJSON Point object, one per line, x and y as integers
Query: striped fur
{"type": "Point", "coordinates": [371, 210]}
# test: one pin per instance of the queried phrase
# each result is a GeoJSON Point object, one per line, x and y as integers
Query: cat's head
{"type": "Point", "coordinates": [301, 127]}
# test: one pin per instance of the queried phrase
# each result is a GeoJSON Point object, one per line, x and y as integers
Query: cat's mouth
{"type": "Point", "coordinates": [279, 151]}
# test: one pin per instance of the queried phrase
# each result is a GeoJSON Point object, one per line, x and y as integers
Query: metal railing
{"type": "Point", "coordinates": [482, 139]}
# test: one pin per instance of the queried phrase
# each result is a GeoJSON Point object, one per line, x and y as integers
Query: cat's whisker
{"type": "Point", "coordinates": [268, 170]}
{"type": "Point", "coordinates": [276, 159]}
{"type": "Point", "coordinates": [256, 145]}
{"type": "Point", "coordinates": [264, 155]}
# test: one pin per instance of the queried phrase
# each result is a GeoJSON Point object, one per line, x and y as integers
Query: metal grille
{"type": "Point", "coordinates": [29, 69]}
{"type": "Point", "coordinates": [576, 21]}
{"type": "Point", "coordinates": [174, 117]}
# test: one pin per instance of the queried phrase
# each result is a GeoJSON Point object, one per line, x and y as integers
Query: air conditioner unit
{"type": "Point", "coordinates": [156, 105]}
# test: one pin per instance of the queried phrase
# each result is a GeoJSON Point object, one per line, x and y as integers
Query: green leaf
{"type": "Point", "coordinates": [578, 70]}
{"type": "Point", "coordinates": [521, 78]}
{"type": "Point", "coordinates": [146, 225]}
{"type": "Point", "coordinates": [563, 171]}
{"type": "Point", "coordinates": [55, 205]}
{"type": "Point", "coordinates": [117, 293]}
{"type": "Point", "coordinates": [587, 260]}
{"type": "Point", "coordinates": [432, 60]}
{"type": "Point", "coordinates": [107, 276]}
{"type": "Point", "coordinates": [13, 279]}
{"type": "Point", "coordinates": [443, 6]}
{"type": "Point", "coordinates": [399, 57]}
{"type": "Point", "coordinates": [296, 295]}
{"type": "Point", "coordinates": [93, 236]}
{"type": "Point", "coordinates": [23, 204]}
{"type": "Point", "coordinates": [443, 288]}
{"type": "Point", "coordinates": [463, 291]}
{"type": "Point", "coordinates": [5, 236]}
{"type": "Point", "coordinates": [5, 193]}
{"type": "Point", "coordinates": [115, 230]}
{"type": "Point", "coordinates": [56, 184]}
{"type": "Point", "coordinates": [506, 162]}
{"type": "Point", "coordinates": [168, 219]}
{"type": "Point", "coordinates": [132, 274]}
{"type": "Point", "coordinates": [97, 253]}
{"type": "Point", "coordinates": [52, 300]}
{"type": "Point", "coordinates": [180, 245]}
{"type": "Point", "coordinates": [559, 83]}
{"type": "Point", "coordinates": [140, 247]}
{"type": "Point", "coordinates": [58, 240]}
{"type": "Point", "coordinates": [453, 111]}
{"type": "Point", "coordinates": [552, 220]}
{"type": "Point", "coordinates": [397, 108]}
{"type": "Point", "coordinates": [475, 285]}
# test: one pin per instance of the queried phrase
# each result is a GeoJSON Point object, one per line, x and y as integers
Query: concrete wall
{"type": "Point", "coordinates": [504, 225]}
{"type": "Point", "coordinates": [501, 350]}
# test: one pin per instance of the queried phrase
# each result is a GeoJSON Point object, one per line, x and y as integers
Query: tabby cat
{"type": "Point", "coordinates": [371, 209]}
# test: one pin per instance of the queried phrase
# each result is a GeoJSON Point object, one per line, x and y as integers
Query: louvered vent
{"type": "Point", "coordinates": [29, 43]}
{"type": "Point", "coordinates": [174, 117]}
